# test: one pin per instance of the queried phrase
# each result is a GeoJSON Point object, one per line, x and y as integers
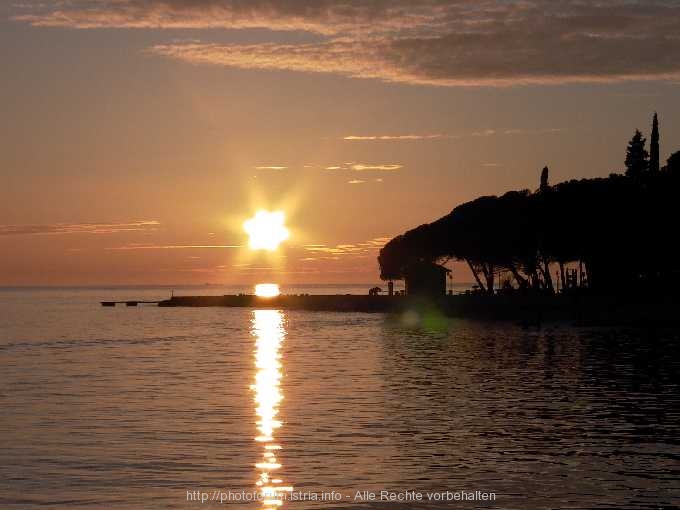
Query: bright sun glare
{"type": "Point", "coordinates": [267, 290]}
{"type": "Point", "coordinates": [266, 230]}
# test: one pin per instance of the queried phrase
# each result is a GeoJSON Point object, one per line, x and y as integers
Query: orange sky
{"type": "Point", "coordinates": [136, 136]}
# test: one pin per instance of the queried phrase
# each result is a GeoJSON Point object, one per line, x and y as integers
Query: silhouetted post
{"type": "Point", "coordinates": [390, 288]}
{"type": "Point", "coordinates": [654, 146]}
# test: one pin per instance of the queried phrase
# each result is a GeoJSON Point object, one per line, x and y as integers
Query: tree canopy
{"type": "Point", "coordinates": [621, 227]}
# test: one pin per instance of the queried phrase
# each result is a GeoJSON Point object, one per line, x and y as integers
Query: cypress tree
{"type": "Point", "coordinates": [544, 179]}
{"type": "Point", "coordinates": [654, 146]}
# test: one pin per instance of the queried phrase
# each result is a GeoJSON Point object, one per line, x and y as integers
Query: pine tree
{"type": "Point", "coordinates": [637, 157]}
{"type": "Point", "coordinates": [654, 146]}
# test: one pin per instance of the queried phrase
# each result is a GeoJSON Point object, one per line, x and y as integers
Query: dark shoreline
{"type": "Point", "coordinates": [527, 309]}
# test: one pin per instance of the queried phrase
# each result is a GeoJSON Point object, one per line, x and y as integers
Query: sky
{"type": "Point", "coordinates": [136, 136]}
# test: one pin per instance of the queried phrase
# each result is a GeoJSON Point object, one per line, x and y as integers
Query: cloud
{"type": "Point", "coordinates": [377, 241]}
{"type": "Point", "coordinates": [397, 137]}
{"type": "Point", "coordinates": [362, 167]}
{"type": "Point", "coordinates": [437, 42]}
{"type": "Point", "coordinates": [362, 181]}
{"type": "Point", "coordinates": [319, 16]}
{"type": "Point", "coordinates": [485, 132]}
{"type": "Point", "coordinates": [329, 17]}
{"type": "Point", "coordinates": [355, 249]}
{"type": "Point", "coordinates": [548, 131]}
{"type": "Point", "coordinates": [516, 131]}
{"type": "Point", "coordinates": [442, 42]}
{"type": "Point", "coordinates": [79, 228]}
{"type": "Point", "coordinates": [129, 247]}
{"type": "Point", "coordinates": [328, 249]}
{"type": "Point", "coordinates": [271, 167]}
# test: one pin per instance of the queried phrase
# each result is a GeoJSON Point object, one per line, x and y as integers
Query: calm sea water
{"type": "Point", "coordinates": [152, 407]}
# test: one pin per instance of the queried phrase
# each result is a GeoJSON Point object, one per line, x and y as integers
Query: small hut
{"type": "Point", "coordinates": [426, 279]}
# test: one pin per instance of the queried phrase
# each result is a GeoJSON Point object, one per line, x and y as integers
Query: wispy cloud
{"type": "Point", "coordinates": [392, 138]}
{"type": "Point", "coordinates": [330, 17]}
{"type": "Point", "coordinates": [376, 241]}
{"type": "Point", "coordinates": [516, 131]}
{"type": "Point", "coordinates": [441, 136]}
{"type": "Point", "coordinates": [335, 250]}
{"type": "Point", "coordinates": [362, 167]}
{"type": "Point", "coordinates": [79, 228]}
{"type": "Point", "coordinates": [362, 181]}
{"type": "Point", "coordinates": [484, 132]}
{"type": "Point", "coordinates": [547, 131]}
{"type": "Point", "coordinates": [355, 249]}
{"type": "Point", "coordinates": [271, 167]}
{"type": "Point", "coordinates": [438, 42]}
{"type": "Point", "coordinates": [129, 247]}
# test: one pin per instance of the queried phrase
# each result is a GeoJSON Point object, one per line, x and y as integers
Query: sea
{"type": "Point", "coordinates": [173, 408]}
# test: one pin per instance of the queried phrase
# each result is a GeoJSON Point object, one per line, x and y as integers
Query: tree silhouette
{"type": "Point", "coordinates": [637, 157]}
{"type": "Point", "coordinates": [673, 163]}
{"type": "Point", "coordinates": [618, 228]}
{"type": "Point", "coordinates": [544, 179]}
{"type": "Point", "coordinates": [654, 145]}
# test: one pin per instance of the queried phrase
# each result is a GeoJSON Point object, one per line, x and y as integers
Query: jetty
{"type": "Point", "coordinates": [338, 302]}
{"type": "Point", "coordinates": [129, 303]}
{"type": "Point", "coordinates": [522, 309]}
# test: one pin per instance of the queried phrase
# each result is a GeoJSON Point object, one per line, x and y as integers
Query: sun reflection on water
{"type": "Point", "coordinates": [269, 332]}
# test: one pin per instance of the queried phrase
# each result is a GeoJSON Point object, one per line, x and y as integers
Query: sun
{"type": "Point", "coordinates": [267, 290]}
{"type": "Point", "coordinates": [266, 230]}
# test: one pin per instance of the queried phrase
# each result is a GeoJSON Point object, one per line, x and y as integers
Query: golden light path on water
{"type": "Point", "coordinates": [269, 332]}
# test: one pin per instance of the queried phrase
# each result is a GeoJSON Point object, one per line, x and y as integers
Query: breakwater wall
{"type": "Point", "coordinates": [530, 309]}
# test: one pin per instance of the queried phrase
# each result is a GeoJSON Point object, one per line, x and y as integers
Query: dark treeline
{"type": "Point", "coordinates": [622, 230]}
